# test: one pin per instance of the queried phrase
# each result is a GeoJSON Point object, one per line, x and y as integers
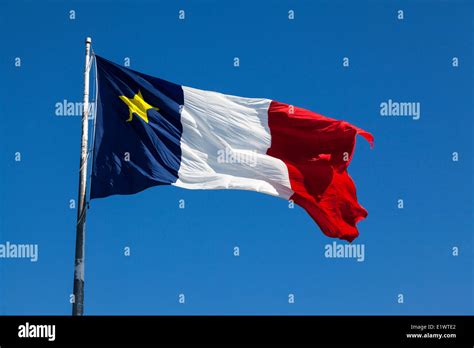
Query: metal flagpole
{"type": "Point", "coordinates": [78, 300]}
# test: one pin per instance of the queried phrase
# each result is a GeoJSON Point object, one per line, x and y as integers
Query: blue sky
{"type": "Point", "coordinates": [407, 251]}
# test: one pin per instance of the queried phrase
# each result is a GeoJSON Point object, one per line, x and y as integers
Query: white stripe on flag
{"type": "Point", "coordinates": [224, 143]}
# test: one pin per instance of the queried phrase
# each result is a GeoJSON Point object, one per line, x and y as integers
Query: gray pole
{"type": "Point", "coordinates": [78, 304]}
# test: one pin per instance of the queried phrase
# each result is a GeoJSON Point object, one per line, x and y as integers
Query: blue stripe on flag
{"type": "Point", "coordinates": [138, 131]}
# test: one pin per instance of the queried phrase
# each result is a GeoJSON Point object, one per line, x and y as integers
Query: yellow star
{"type": "Point", "coordinates": [137, 105]}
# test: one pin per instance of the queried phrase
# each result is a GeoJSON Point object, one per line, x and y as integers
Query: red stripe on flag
{"type": "Point", "coordinates": [314, 149]}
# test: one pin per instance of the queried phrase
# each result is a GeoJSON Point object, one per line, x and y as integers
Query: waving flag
{"type": "Point", "coordinates": [153, 132]}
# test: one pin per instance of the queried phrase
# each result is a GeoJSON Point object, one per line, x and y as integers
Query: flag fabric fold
{"type": "Point", "coordinates": [153, 132]}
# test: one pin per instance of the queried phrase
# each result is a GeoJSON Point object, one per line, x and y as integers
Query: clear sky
{"type": "Point", "coordinates": [189, 251]}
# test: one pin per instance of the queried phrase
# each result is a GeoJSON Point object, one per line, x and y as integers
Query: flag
{"type": "Point", "coordinates": [152, 132]}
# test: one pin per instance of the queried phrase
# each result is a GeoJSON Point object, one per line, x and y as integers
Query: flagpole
{"type": "Point", "coordinates": [78, 300]}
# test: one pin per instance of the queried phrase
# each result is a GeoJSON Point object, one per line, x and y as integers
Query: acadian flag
{"type": "Point", "coordinates": [153, 132]}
